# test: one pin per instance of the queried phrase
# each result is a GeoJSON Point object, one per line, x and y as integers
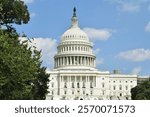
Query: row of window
{"type": "Point", "coordinates": [78, 92]}
{"type": "Point", "coordinates": [120, 87]}
{"type": "Point", "coordinates": [84, 93]}
{"type": "Point", "coordinates": [77, 85]}
{"type": "Point", "coordinates": [121, 81]}
{"type": "Point", "coordinates": [78, 79]}
{"type": "Point", "coordinates": [74, 48]}
{"type": "Point", "coordinates": [74, 36]}
{"type": "Point", "coordinates": [74, 42]}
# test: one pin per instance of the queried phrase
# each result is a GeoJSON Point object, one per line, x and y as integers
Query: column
{"type": "Point", "coordinates": [70, 78]}
{"type": "Point", "coordinates": [74, 61]}
{"type": "Point", "coordinates": [86, 78]}
{"type": "Point", "coordinates": [77, 60]}
{"type": "Point", "coordinates": [84, 61]}
{"type": "Point", "coordinates": [58, 61]}
{"type": "Point", "coordinates": [94, 63]}
{"type": "Point", "coordinates": [91, 62]}
{"type": "Point", "coordinates": [80, 60]}
{"type": "Point", "coordinates": [95, 81]}
{"type": "Point", "coordinates": [55, 62]}
{"type": "Point", "coordinates": [67, 61]}
{"type": "Point", "coordinates": [75, 78]}
{"type": "Point", "coordinates": [70, 60]}
{"type": "Point", "coordinates": [64, 62]}
{"type": "Point", "coordinates": [61, 61]}
{"type": "Point", "coordinates": [87, 61]}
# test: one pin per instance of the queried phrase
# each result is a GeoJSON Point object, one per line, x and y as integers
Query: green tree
{"type": "Point", "coordinates": [13, 11]}
{"type": "Point", "coordinates": [21, 73]}
{"type": "Point", "coordinates": [141, 91]}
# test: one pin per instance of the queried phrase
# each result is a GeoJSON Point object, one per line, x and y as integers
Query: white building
{"type": "Point", "coordinates": [75, 75]}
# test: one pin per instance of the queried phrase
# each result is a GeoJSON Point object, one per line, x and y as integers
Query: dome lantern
{"type": "Point", "coordinates": [74, 19]}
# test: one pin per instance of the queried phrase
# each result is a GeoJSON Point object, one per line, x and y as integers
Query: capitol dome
{"type": "Point", "coordinates": [75, 48]}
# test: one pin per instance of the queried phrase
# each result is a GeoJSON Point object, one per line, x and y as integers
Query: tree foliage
{"type": "Point", "coordinates": [21, 73]}
{"type": "Point", "coordinates": [13, 11]}
{"type": "Point", "coordinates": [141, 91]}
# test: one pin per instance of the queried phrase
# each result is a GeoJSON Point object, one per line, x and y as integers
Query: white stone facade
{"type": "Point", "coordinates": [75, 75]}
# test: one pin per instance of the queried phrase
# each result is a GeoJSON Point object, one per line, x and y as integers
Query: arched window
{"type": "Point", "coordinates": [83, 85]}
{"type": "Point", "coordinates": [114, 87]}
{"type": "Point", "coordinates": [78, 85]}
{"type": "Point", "coordinates": [91, 92]}
{"type": "Point", "coordinates": [103, 93]}
{"type": "Point", "coordinates": [126, 87]}
{"type": "Point", "coordinates": [65, 85]}
{"type": "Point", "coordinates": [72, 85]}
{"type": "Point", "coordinates": [75, 47]}
{"type": "Point", "coordinates": [91, 85]}
{"type": "Point", "coordinates": [65, 92]}
{"type": "Point", "coordinates": [120, 87]}
{"type": "Point", "coordinates": [52, 84]}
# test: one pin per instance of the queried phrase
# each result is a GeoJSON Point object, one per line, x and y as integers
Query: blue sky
{"type": "Point", "coordinates": [119, 30]}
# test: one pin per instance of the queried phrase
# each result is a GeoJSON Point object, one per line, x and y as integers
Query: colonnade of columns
{"type": "Point", "coordinates": [75, 60]}
{"type": "Point", "coordinates": [78, 81]}
{"type": "Point", "coordinates": [73, 48]}
{"type": "Point", "coordinates": [75, 78]}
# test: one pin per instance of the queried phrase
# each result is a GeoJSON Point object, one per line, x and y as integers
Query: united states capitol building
{"type": "Point", "coordinates": [75, 76]}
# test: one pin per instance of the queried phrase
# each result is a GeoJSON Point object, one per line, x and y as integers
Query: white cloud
{"type": "Point", "coordinates": [136, 70]}
{"type": "Point", "coordinates": [99, 61]}
{"type": "Point", "coordinates": [147, 28]}
{"type": "Point", "coordinates": [96, 51]}
{"type": "Point", "coordinates": [136, 55]}
{"type": "Point", "coordinates": [149, 7]}
{"type": "Point", "coordinates": [48, 48]}
{"type": "Point", "coordinates": [98, 34]}
{"type": "Point", "coordinates": [28, 1]}
{"type": "Point", "coordinates": [129, 5]}
{"type": "Point", "coordinates": [32, 15]}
